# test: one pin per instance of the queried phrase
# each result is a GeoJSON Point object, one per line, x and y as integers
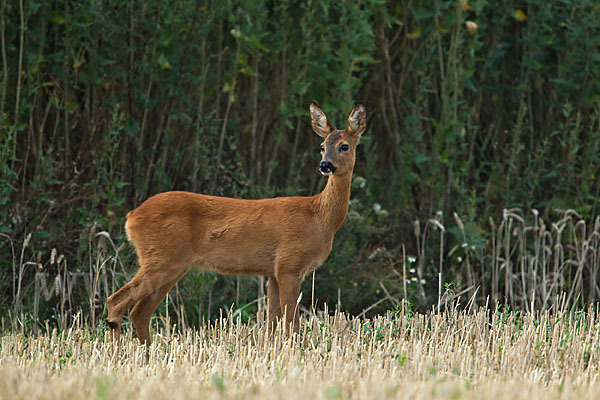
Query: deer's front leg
{"type": "Point", "coordinates": [289, 292]}
{"type": "Point", "coordinates": [274, 304]}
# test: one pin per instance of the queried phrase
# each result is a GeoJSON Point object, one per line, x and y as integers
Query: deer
{"type": "Point", "coordinates": [282, 238]}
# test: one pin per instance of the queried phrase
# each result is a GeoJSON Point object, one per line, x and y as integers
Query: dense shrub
{"type": "Point", "coordinates": [475, 107]}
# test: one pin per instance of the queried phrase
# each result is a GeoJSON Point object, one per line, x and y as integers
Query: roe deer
{"type": "Point", "coordinates": [283, 238]}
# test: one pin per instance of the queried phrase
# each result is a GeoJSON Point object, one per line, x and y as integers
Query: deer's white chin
{"type": "Point", "coordinates": [326, 173]}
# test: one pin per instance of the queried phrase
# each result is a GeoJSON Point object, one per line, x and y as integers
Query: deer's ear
{"type": "Point", "coordinates": [357, 120]}
{"type": "Point", "coordinates": [319, 121]}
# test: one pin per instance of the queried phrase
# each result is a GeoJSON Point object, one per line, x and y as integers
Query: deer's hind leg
{"type": "Point", "coordinates": [145, 307]}
{"type": "Point", "coordinates": [147, 280]}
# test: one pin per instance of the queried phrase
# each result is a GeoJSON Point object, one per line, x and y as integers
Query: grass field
{"type": "Point", "coordinates": [450, 355]}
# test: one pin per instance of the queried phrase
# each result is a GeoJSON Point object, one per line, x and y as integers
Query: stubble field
{"type": "Point", "coordinates": [449, 355]}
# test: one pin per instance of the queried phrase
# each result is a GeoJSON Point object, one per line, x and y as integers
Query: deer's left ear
{"type": "Point", "coordinates": [357, 120]}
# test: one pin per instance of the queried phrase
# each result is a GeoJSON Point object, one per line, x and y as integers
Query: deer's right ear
{"type": "Point", "coordinates": [319, 121]}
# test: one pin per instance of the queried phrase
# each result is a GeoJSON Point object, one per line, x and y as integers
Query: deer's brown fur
{"type": "Point", "coordinates": [283, 238]}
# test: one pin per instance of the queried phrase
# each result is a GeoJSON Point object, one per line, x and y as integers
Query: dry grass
{"type": "Point", "coordinates": [451, 355]}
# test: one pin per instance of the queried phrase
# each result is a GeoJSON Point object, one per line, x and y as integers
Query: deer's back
{"type": "Point", "coordinates": [227, 235]}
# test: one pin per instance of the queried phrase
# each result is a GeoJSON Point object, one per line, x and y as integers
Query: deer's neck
{"type": "Point", "coordinates": [334, 199]}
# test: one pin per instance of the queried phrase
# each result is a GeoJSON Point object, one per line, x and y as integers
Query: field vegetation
{"type": "Point", "coordinates": [475, 108]}
{"type": "Point", "coordinates": [470, 354]}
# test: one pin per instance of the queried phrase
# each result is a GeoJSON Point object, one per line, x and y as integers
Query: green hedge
{"type": "Point", "coordinates": [106, 103]}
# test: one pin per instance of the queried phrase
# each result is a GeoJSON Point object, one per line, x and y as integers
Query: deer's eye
{"type": "Point", "coordinates": [344, 147]}
{"type": "Point", "coordinates": [322, 148]}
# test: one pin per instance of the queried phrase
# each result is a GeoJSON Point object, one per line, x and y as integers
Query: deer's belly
{"type": "Point", "coordinates": [236, 258]}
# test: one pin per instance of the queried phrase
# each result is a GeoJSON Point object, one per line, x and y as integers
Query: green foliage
{"type": "Point", "coordinates": [104, 105]}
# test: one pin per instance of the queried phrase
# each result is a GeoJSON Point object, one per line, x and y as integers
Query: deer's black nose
{"type": "Point", "coordinates": [326, 167]}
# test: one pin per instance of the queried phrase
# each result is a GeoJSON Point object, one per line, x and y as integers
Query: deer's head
{"type": "Point", "coordinates": [338, 148]}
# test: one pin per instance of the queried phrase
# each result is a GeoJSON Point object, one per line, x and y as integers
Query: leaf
{"type": "Point", "coordinates": [519, 15]}
{"type": "Point", "coordinates": [550, 175]}
{"type": "Point", "coordinates": [246, 70]}
{"type": "Point", "coordinates": [163, 62]}
{"type": "Point", "coordinates": [58, 19]}
{"type": "Point", "coordinates": [255, 41]}
{"type": "Point", "coordinates": [299, 112]}
{"type": "Point", "coordinates": [415, 34]}
{"type": "Point", "coordinates": [421, 158]}
{"type": "Point", "coordinates": [77, 63]}
{"type": "Point", "coordinates": [498, 53]}
{"type": "Point", "coordinates": [283, 108]}
{"type": "Point", "coordinates": [470, 84]}
{"type": "Point", "coordinates": [71, 106]}
{"type": "Point", "coordinates": [471, 27]}
{"type": "Point", "coordinates": [399, 10]}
